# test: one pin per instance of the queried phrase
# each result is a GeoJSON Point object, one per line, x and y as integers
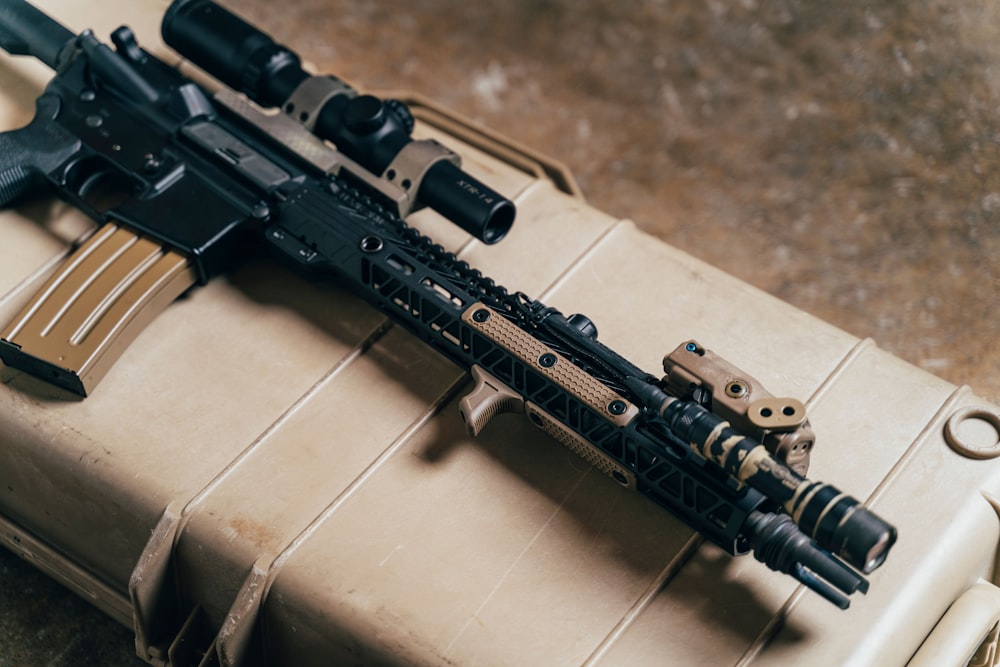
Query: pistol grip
{"type": "Point", "coordinates": [14, 183]}
{"type": "Point", "coordinates": [86, 314]}
{"type": "Point", "coordinates": [31, 152]}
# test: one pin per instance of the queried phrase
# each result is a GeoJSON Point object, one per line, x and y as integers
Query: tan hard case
{"type": "Point", "coordinates": [275, 474]}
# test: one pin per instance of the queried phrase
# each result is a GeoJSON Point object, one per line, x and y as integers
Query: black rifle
{"type": "Point", "coordinates": [180, 181]}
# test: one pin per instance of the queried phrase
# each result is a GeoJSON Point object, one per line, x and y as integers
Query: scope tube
{"type": "Point", "coordinates": [233, 51]}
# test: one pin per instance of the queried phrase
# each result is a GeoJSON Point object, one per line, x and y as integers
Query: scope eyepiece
{"type": "Point", "coordinates": [232, 50]}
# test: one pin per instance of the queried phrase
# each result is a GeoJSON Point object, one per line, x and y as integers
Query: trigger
{"type": "Point", "coordinates": [489, 398]}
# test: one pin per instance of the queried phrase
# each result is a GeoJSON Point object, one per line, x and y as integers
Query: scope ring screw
{"type": "Point", "coordinates": [617, 407]}
{"type": "Point", "coordinates": [547, 360]}
{"type": "Point", "coordinates": [736, 389]}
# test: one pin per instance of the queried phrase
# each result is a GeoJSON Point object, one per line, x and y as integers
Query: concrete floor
{"type": "Point", "coordinates": [845, 158]}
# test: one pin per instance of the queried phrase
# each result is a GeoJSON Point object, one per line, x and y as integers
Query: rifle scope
{"type": "Point", "coordinates": [367, 129]}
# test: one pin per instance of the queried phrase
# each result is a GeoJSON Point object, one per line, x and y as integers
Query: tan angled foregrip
{"type": "Point", "coordinates": [491, 397]}
{"type": "Point", "coordinates": [87, 313]}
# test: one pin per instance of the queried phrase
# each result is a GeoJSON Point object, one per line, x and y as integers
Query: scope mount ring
{"type": "Point", "coordinates": [308, 99]}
